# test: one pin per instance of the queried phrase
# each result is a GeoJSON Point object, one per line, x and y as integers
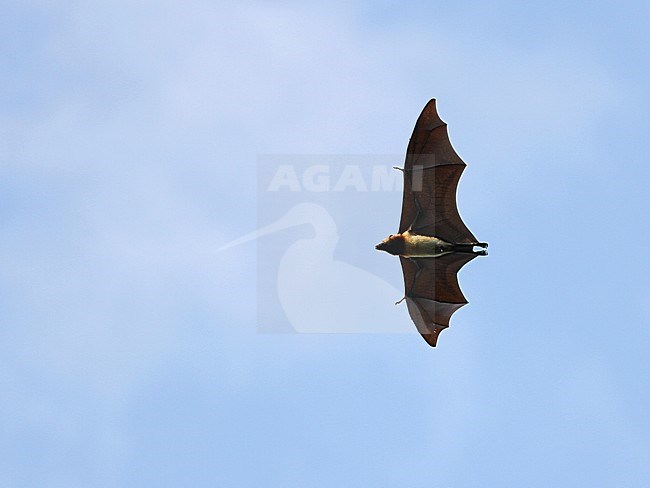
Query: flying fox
{"type": "Point", "coordinates": [433, 243]}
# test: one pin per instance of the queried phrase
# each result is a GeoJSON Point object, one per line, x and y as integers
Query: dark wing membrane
{"type": "Point", "coordinates": [429, 144]}
{"type": "Point", "coordinates": [435, 278]}
{"type": "Point", "coordinates": [431, 173]}
{"type": "Point", "coordinates": [432, 291]}
{"type": "Point", "coordinates": [439, 215]}
{"type": "Point", "coordinates": [427, 328]}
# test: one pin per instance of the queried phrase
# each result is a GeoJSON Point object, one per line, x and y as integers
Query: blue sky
{"type": "Point", "coordinates": [129, 348]}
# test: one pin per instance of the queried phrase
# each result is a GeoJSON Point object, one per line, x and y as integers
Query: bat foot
{"type": "Point", "coordinates": [481, 253]}
{"type": "Point", "coordinates": [400, 301]}
{"type": "Point", "coordinates": [481, 244]}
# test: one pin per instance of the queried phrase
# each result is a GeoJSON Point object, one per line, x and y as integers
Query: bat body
{"type": "Point", "coordinates": [411, 245]}
{"type": "Point", "coordinates": [433, 242]}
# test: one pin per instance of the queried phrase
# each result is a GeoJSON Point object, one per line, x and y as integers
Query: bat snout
{"type": "Point", "coordinates": [392, 245]}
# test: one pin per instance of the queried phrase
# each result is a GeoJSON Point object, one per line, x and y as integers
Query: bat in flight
{"type": "Point", "coordinates": [433, 243]}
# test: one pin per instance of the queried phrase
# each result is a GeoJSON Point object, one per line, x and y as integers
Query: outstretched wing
{"type": "Point", "coordinates": [431, 173]}
{"type": "Point", "coordinates": [432, 291]}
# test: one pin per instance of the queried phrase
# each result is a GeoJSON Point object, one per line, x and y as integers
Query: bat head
{"type": "Point", "coordinates": [393, 244]}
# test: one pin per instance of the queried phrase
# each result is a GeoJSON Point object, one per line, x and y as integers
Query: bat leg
{"type": "Point", "coordinates": [398, 168]}
{"type": "Point", "coordinates": [400, 300]}
{"type": "Point", "coordinates": [464, 248]}
{"type": "Point", "coordinates": [469, 248]}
